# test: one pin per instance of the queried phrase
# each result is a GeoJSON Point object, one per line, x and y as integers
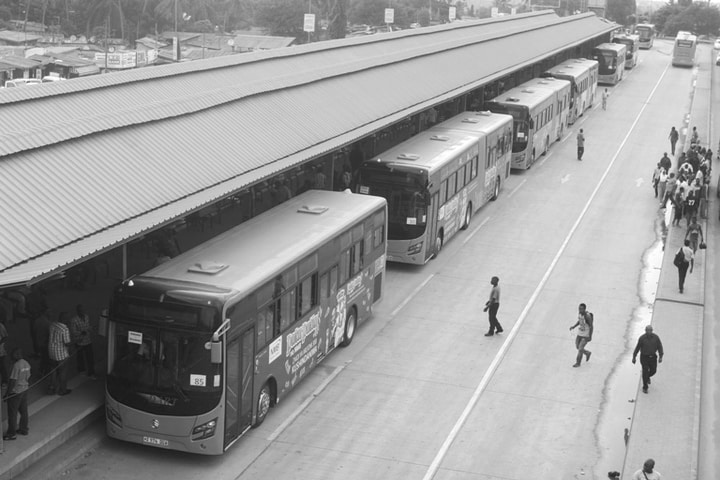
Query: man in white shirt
{"type": "Point", "coordinates": [648, 471]}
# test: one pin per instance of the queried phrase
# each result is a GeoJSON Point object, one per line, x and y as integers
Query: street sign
{"type": "Point", "coordinates": [389, 15]}
{"type": "Point", "coordinates": [309, 23]}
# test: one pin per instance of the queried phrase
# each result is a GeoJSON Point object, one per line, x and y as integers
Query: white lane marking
{"type": "Point", "coordinates": [435, 465]}
{"type": "Point", "coordinates": [566, 137]}
{"type": "Point", "coordinates": [565, 178]}
{"type": "Point", "coordinates": [467, 239]}
{"type": "Point", "coordinates": [544, 159]}
{"type": "Point", "coordinates": [512, 192]}
{"type": "Point", "coordinates": [412, 295]}
{"type": "Point", "coordinates": [639, 181]}
{"type": "Point", "coordinates": [307, 401]}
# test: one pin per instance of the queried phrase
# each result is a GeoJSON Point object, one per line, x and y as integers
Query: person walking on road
{"type": "Point", "coordinates": [492, 306]}
{"type": "Point", "coordinates": [17, 396]}
{"type": "Point", "coordinates": [683, 262]}
{"type": "Point", "coordinates": [580, 144]}
{"type": "Point", "coordinates": [674, 135]}
{"type": "Point", "coordinates": [584, 334]}
{"type": "Point", "coordinates": [605, 96]}
{"type": "Point", "coordinates": [648, 471]}
{"type": "Point", "coordinates": [650, 349]}
{"type": "Point", "coordinates": [665, 162]}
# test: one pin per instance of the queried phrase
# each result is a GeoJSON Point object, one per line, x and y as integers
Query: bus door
{"type": "Point", "coordinates": [431, 226]}
{"type": "Point", "coordinates": [238, 385]}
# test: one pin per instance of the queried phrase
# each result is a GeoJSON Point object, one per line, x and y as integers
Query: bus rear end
{"type": "Point", "coordinates": [405, 189]}
{"type": "Point", "coordinates": [611, 59]}
{"type": "Point", "coordinates": [646, 34]}
{"type": "Point", "coordinates": [684, 50]}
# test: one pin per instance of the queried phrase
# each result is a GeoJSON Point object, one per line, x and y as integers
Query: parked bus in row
{"type": "Point", "coordinates": [200, 347]}
{"type": "Point", "coordinates": [562, 90]}
{"type": "Point", "coordinates": [611, 58]}
{"type": "Point", "coordinates": [583, 77]}
{"type": "Point", "coordinates": [535, 120]}
{"type": "Point", "coordinates": [646, 33]}
{"type": "Point", "coordinates": [684, 49]}
{"type": "Point", "coordinates": [435, 181]}
{"type": "Point", "coordinates": [632, 42]}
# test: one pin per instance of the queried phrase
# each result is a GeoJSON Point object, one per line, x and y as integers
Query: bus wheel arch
{"type": "Point", "coordinates": [496, 190]}
{"type": "Point", "coordinates": [350, 326]}
{"type": "Point", "coordinates": [266, 398]}
{"type": "Point", "coordinates": [438, 243]}
{"type": "Point", "coordinates": [468, 216]}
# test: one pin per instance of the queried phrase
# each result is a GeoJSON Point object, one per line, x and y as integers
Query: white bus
{"type": "Point", "coordinates": [534, 113]}
{"type": "Point", "coordinates": [632, 42]}
{"type": "Point", "coordinates": [583, 77]}
{"type": "Point", "coordinates": [563, 95]}
{"type": "Point", "coordinates": [684, 49]}
{"type": "Point", "coordinates": [200, 347]}
{"type": "Point", "coordinates": [611, 57]}
{"type": "Point", "coordinates": [646, 32]}
{"type": "Point", "coordinates": [435, 181]}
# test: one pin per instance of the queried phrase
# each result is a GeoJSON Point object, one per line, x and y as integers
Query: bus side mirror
{"type": "Point", "coordinates": [532, 124]}
{"type": "Point", "coordinates": [216, 353]}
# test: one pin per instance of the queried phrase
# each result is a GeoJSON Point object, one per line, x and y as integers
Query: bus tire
{"type": "Point", "coordinates": [496, 190]}
{"type": "Point", "coordinates": [350, 327]}
{"type": "Point", "coordinates": [468, 217]}
{"type": "Point", "coordinates": [264, 401]}
{"type": "Point", "coordinates": [438, 245]}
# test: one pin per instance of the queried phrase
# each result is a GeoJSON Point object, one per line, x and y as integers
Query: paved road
{"type": "Point", "coordinates": [421, 393]}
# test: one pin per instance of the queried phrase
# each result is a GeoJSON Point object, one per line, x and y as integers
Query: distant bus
{"type": "Point", "coordinates": [200, 347]}
{"type": "Point", "coordinates": [611, 57]}
{"type": "Point", "coordinates": [535, 116]}
{"type": "Point", "coordinates": [684, 49]}
{"type": "Point", "coordinates": [646, 32]}
{"type": "Point", "coordinates": [632, 42]}
{"type": "Point", "coordinates": [436, 180]}
{"type": "Point", "coordinates": [583, 77]}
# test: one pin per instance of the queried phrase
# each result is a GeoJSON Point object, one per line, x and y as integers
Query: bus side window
{"type": "Point", "coordinates": [443, 191]}
{"type": "Point", "coordinates": [378, 236]}
{"type": "Point", "coordinates": [344, 266]}
{"type": "Point", "coordinates": [356, 258]}
{"type": "Point", "coordinates": [333, 281]}
{"type": "Point", "coordinates": [287, 309]}
{"type": "Point", "coordinates": [325, 286]}
{"type": "Point", "coordinates": [307, 294]}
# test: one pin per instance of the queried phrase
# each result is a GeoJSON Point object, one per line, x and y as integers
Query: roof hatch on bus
{"type": "Point", "coordinates": [408, 156]}
{"type": "Point", "coordinates": [470, 120]}
{"type": "Point", "coordinates": [314, 209]}
{"type": "Point", "coordinates": [440, 138]}
{"type": "Point", "coordinates": [512, 99]}
{"type": "Point", "coordinates": [208, 268]}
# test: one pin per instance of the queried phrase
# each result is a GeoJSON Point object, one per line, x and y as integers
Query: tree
{"type": "Point", "coordinates": [282, 17]}
{"type": "Point", "coordinates": [699, 18]}
{"type": "Point", "coordinates": [621, 11]}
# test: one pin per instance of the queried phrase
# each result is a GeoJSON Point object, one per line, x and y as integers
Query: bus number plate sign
{"type": "Point", "coordinates": [156, 441]}
{"type": "Point", "coordinates": [198, 380]}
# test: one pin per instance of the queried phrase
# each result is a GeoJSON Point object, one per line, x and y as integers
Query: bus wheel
{"type": "Point", "coordinates": [496, 190]}
{"type": "Point", "coordinates": [350, 326]}
{"type": "Point", "coordinates": [263, 404]}
{"type": "Point", "coordinates": [438, 244]}
{"type": "Point", "coordinates": [468, 216]}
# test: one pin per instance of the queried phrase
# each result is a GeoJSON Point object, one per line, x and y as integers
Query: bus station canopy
{"type": "Point", "coordinates": [90, 164]}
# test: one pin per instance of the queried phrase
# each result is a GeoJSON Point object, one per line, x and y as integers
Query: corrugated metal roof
{"type": "Point", "coordinates": [90, 163]}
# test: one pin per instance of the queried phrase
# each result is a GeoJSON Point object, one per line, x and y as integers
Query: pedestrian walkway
{"type": "Point", "coordinates": [666, 421]}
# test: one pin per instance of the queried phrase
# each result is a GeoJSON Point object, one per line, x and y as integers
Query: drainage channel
{"type": "Point", "coordinates": [621, 387]}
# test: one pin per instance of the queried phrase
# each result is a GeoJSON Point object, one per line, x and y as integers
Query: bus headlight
{"type": "Point", "coordinates": [113, 416]}
{"type": "Point", "coordinates": [415, 249]}
{"type": "Point", "coordinates": [206, 430]}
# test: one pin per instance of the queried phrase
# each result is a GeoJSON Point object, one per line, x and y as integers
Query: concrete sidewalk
{"type": "Point", "coordinates": [666, 422]}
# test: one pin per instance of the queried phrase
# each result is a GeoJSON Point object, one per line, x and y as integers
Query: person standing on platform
{"type": "Point", "coordinates": [492, 306]}
{"type": "Point", "coordinates": [59, 352]}
{"type": "Point", "coordinates": [674, 135]}
{"type": "Point", "coordinates": [580, 144]}
{"type": "Point", "coordinates": [81, 332]}
{"type": "Point", "coordinates": [17, 396]}
{"type": "Point", "coordinates": [648, 471]}
{"type": "Point", "coordinates": [694, 233]}
{"type": "Point", "coordinates": [584, 334]}
{"type": "Point", "coordinates": [651, 353]}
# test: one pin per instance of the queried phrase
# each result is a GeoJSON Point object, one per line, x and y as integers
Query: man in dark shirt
{"type": "Point", "coordinates": [665, 162]}
{"type": "Point", "coordinates": [649, 346]}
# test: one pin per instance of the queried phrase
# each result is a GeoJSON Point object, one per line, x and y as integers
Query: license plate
{"type": "Point", "coordinates": [156, 441]}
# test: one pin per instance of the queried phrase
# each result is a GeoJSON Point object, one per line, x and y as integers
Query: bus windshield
{"type": "Point", "coordinates": [163, 371]}
{"type": "Point", "coordinates": [406, 197]}
{"type": "Point", "coordinates": [606, 59]}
